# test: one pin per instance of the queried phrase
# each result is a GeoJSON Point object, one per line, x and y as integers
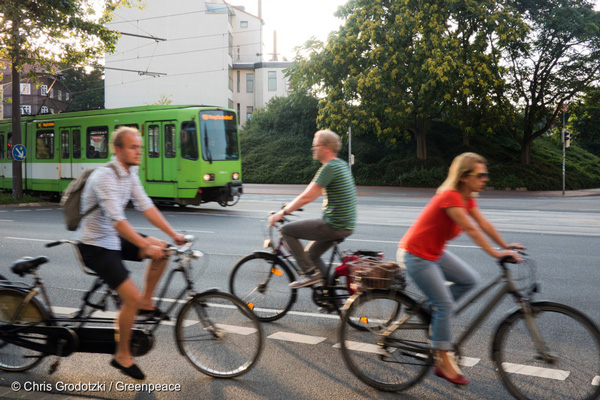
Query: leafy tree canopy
{"type": "Point", "coordinates": [396, 66]}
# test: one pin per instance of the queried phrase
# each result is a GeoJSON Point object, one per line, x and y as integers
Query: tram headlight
{"type": "Point", "coordinates": [209, 177]}
{"type": "Point", "coordinates": [235, 176]}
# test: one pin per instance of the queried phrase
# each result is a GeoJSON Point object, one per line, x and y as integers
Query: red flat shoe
{"type": "Point", "coordinates": [459, 380]}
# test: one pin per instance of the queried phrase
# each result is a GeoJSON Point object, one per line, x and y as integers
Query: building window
{"type": "Point", "coordinates": [51, 93]}
{"type": "Point", "coordinates": [44, 145]}
{"type": "Point", "coordinates": [25, 110]}
{"type": "Point", "coordinates": [249, 83]}
{"type": "Point", "coordinates": [249, 111]}
{"type": "Point", "coordinates": [25, 88]}
{"type": "Point", "coordinates": [272, 81]}
{"type": "Point", "coordinates": [243, 24]}
{"type": "Point", "coordinates": [44, 90]}
{"type": "Point", "coordinates": [66, 96]}
{"type": "Point", "coordinates": [238, 81]}
{"type": "Point", "coordinates": [230, 45]}
{"type": "Point", "coordinates": [230, 78]}
{"type": "Point", "coordinates": [44, 110]}
{"type": "Point", "coordinates": [59, 97]}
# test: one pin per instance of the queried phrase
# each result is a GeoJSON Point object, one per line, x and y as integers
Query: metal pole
{"type": "Point", "coordinates": [563, 154]}
{"type": "Point", "coordinates": [350, 160]}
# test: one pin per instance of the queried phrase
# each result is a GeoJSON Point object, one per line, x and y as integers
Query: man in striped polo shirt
{"type": "Point", "coordinates": [335, 181]}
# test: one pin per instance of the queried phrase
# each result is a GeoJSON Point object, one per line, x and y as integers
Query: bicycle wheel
{"type": "Point", "coordinates": [392, 362]}
{"type": "Point", "coordinates": [573, 342]}
{"type": "Point", "coordinates": [13, 357]}
{"type": "Point", "coordinates": [219, 334]}
{"type": "Point", "coordinates": [261, 281]}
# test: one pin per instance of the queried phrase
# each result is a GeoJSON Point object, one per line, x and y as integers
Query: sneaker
{"type": "Point", "coordinates": [307, 280]}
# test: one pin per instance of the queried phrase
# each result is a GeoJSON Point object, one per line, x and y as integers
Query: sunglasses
{"type": "Point", "coordinates": [480, 175]}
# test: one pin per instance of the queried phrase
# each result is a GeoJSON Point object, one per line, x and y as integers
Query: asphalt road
{"type": "Point", "coordinates": [562, 234]}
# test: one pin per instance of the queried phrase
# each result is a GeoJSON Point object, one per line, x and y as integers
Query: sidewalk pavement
{"type": "Point", "coordinates": [8, 393]}
{"type": "Point", "coordinates": [258, 188]}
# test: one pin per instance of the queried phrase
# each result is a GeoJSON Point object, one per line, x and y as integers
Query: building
{"type": "Point", "coordinates": [47, 96]}
{"type": "Point", "coordinates": [191, 52]}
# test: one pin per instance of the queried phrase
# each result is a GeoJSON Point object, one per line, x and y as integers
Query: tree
{"type": "Point", "coordinates": [87, 89]}
{"type": "Point", "coordinates": [551, 65]}
{"type": "Point", "coordinates": [398, 65]}
{"type": "Point", "coordinates": [43, 33]}
{"type": "Point", "coordinates": [583, 120]}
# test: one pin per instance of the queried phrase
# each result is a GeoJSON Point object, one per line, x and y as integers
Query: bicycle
{"type": "Point", "coordinates": [541, 350]}
{"type": "Point", "coordinates": [261, 279]}
{"type": "Point", "coordinates": [216, 332]}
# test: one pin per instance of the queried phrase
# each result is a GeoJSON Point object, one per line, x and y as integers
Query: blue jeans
{"type": "Point", "coordinates": [431, 277]}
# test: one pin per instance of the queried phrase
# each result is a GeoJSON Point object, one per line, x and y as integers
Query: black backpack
{"type": "Point", "coordinates": [71, 199]}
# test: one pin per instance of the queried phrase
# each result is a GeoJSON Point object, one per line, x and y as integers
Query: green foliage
{"type": "Point", "coordinates": [276, 141]}
{"type": "Point", "coordinates": [8, 199]}
{"type": "Point", "coordinates": [87, 89]}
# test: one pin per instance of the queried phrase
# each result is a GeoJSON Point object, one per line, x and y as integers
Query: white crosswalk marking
{"type": "Point", "coordinates": [535, 371]}
{"type": "Point", "coordinates": [596, 381]}
{"type": "Point", "coordinates": [296, 337]}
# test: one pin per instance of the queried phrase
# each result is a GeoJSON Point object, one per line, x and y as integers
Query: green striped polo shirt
{"type": "Point", "coordinates": [339, 205]}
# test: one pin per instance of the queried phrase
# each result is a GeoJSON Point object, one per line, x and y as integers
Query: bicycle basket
{"type": "Point", "coordinates": [524, 275]}
{"type": "Point", "coordinates": [369, 273]}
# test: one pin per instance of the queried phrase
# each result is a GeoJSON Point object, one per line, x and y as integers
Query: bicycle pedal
{"type": "Point", "coordinates": [53, 367]}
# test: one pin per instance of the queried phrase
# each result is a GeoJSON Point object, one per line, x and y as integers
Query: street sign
{"type": "Point", "coordinates": [19, 152]}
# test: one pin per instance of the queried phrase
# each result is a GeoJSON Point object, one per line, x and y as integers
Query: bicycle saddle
{"type": "Point", "coordinates": [27, 264]}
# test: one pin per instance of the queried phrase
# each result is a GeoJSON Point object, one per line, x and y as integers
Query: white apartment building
{"type": "Point", "coordinates": [191, 52]}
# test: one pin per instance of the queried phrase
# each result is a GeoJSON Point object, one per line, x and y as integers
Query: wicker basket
{"type": "Point", "coordinates": [367, 273]}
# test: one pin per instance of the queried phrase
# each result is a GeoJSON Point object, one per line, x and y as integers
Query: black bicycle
{"type": "Point", "coordinates": [542, 350]}
{"type": "Point", "coordinates": [262, 279]}
{"type": "Point", "coordinates": [215, 331]}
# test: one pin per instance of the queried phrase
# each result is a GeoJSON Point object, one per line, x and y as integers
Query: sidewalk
{"type": "Point", "coordinates": [259, 188]}
{"type": "Point", "coordinates": [8, 393]}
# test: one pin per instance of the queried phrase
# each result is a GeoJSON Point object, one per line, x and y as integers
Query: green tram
{"type": "Point", "coordinates": [191, 153]}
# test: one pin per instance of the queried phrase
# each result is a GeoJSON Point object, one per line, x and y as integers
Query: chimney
{"type": "Point", "coordinates": [274, 46]}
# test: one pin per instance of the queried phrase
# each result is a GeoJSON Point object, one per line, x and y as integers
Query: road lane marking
{"type": "Point", "coordinates": [596, 381]}
{"type": "Point", "coordinates": [156, 229]}
{"type": "Point", "coordinates": [556, 374]}
{"type": "Point", "coordinates": [7, 220]}
{"type": "Point", "coordinates": [33, 240]}
{"type": "Point", "coordinates": [296, 337]}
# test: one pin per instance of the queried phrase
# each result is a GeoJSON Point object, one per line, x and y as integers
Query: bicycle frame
{"type": "Point", "coordinates": [508, 287]}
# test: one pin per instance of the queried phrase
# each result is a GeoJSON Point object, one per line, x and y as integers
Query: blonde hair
{"type": "Point", "coordinates": [119, 134]}
{"type": "Point", "coordinates": [461, 165]}
{"type": "Point", "coordinates": [330, 139]}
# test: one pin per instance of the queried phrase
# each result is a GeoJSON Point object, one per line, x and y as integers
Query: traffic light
{"type": "Point", "coordinates": [567, 139]}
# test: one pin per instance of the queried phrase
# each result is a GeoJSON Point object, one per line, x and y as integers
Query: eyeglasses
{"type": "Point", "coordinates": [480, 175]}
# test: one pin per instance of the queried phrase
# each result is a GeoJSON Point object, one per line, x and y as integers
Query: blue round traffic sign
{"type": "Point", "coordinates": [19, 152]}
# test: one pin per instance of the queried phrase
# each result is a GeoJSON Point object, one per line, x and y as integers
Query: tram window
{"type": "Point", "coordinates": [9, 146]}
{"type": "Point", "coordinates": [97, 142]}
{"type": "Point", "coordinates": [154, 141]}
{"type": "Point", "coordinates": [64, 143]}
{"type": "Point", "coordinates": [129, 125]}
{"type": "Point", "coordinates": [189, 140]}
{"type": "Point", "coordinates": [170, 151]}
{"type": "Point", "coordinates": [44, 144]}
{"type": "Point", "coordinates": [1, 145]}
{"type": "Point", "coordinates": [76, 143]}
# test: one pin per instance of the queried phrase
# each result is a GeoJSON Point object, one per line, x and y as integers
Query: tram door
{"type": "Point", "coordinates": [161, 152]}
{"type": "Point", "coordinates": [70, 151]}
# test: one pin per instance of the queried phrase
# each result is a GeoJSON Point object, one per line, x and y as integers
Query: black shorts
{"type": "Point", "coordinates": [108, 264]}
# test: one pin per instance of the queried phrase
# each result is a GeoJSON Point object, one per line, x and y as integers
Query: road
{"type": "Point", "coordinates": [562, 234]}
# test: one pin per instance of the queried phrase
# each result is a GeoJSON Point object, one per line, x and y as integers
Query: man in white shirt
{"type": "Point", "coordinates": [106, 239]}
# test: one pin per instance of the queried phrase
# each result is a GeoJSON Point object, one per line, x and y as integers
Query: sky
{"type": "Point", "coordinates": [295, 22]}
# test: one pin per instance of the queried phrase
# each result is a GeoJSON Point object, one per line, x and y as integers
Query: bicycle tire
{"type": "Point", "coordinates": [399, 369]}
{"type": "Point", "coordinates": [569, 335]}
{"type": "Point", "coordinates": [219, 334]}
{"type": "Point", "coordinates": [261, 280]}
{"type": "Point", "coordinates": [12, 357]}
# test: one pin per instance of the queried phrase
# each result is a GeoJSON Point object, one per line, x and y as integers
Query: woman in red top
{"type": "Point", "coordinates": [423, 251]}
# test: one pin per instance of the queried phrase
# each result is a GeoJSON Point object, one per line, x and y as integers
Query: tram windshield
{"type": "Point", "coordinates": [219, 137]}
